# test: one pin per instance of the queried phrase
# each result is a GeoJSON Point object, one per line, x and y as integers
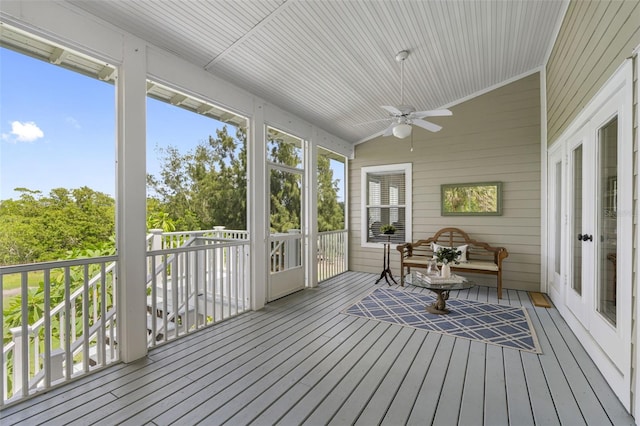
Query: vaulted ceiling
{"type": "Point", "coordinates": [333, 62]}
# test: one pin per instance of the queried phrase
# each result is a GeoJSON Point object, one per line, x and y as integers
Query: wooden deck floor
{"type": "Point", "coordinates": [299, 361]}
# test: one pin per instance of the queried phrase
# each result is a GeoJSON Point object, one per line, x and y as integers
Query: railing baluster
{"type": "Point", "coordinates": [174, 292]}
{"type": "Point", "coordinates": [85, 319]}
{"type": "Point", "coordinates": [23, 373]}
{"type": "Point", "coordinates": [153, 315]}
{"type": "Point", "coordinates": [68, 356]}
{"type": "Point", "coordinates": [102, 335]}
{"type": "Point", "coordinates": [165, 324]}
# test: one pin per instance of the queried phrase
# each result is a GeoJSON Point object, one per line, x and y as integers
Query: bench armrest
{"type": "Point", "coordinates": [405, 249]}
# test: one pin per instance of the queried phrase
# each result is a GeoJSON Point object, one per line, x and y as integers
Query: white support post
{"type": "Point", "coordinates": [57, 365]}
{"type": "Point", "coordinates": [257, 184]}
{"type": "Point", "coordinates": [131, 200]}
{"type": "Point", "coordinates": [311, 217]}
{"type": "Point", "coordinates": [16, 336]}
{"type": "Point", "coordinates": [156, 244]}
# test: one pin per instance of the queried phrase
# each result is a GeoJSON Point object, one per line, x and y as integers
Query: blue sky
{"type": "Point", "coordinates": [57, 128]}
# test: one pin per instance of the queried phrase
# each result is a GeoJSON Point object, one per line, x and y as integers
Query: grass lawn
{"type": "Point", "coordinates": [12, 281]}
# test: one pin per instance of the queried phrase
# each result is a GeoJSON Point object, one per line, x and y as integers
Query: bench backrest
{"type": "Point", "coordinates": [454, 237]}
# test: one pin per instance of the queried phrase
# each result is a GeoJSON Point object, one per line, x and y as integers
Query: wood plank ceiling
{"type": "Point", "coordinates": [333, 62]}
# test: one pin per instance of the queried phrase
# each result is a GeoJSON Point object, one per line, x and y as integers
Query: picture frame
{"type": "Point", "coordinates": [471, 199]}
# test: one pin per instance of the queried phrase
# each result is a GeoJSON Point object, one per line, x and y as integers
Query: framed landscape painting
{"type": "Point", "coordinates": [471, 199]}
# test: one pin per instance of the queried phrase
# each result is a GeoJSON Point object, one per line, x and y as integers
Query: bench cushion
{"type": "Point", "coordinates": [484, 266]}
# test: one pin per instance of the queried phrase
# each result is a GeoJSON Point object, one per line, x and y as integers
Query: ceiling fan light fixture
{"type": "Point", "coordinates": [402, 130]}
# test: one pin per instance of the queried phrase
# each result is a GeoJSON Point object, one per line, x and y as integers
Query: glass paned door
{"type": "Point", "coordinates": [556, 214]}
{"type": "Point", "coordinates": [608, 220]}
{"type": "Point", "coordinates": [286, 233]}
{"type": "Point", "coordinates": [580, 236]}
{"type": "Point", "coordinates": [285, 189]}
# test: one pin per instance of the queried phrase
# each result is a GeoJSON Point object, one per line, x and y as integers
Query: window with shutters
{"type": "Point", "coordinates": [386, 199]}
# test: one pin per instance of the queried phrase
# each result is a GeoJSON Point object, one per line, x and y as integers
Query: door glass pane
{"type": "Point", "coordinates": [607, 221]}
{"type": "Point", "coordinates": [285, 219]}
{"type": "Point", "coordinates": [558, 217]}
{"type": "Point", "coordinates": [576, 283]}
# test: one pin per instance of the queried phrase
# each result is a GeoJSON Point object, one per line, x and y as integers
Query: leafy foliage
{"type": "Point", "coordinates": [471, 199]}
{"type": "Point", "coordinates": [38, 228]}
{"type": "Point", "coordinates": [203, 188]}
{"type": "Point", "coordinates": [330, 211]}
{"type": "Point", "coordinates": [448, 255]}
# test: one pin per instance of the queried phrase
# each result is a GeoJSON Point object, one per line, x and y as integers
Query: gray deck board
{"type": "Point", "coordinates": [585, 397]}
{"type": "Point", "coordinates": [472, 404]}
{"type": "Point", "coordinates": [450, 399]}
{"type": "Point", "coordinates": [301, 361]}
{"type": "Point", "coordinates": [389, 388]}
{"type": "Point", "coordinates": [370, 382]}
{"type": "Point", "coordinates": [518, 399]}
{"type": "Point", "coordinates": [402, 405]}
{"type": "Point", "coordinates": [426, 402]}
{"type": "Point", "coordinates": [495, 393]}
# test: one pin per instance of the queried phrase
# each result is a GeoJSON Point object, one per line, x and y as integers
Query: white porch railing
{"type": "Point", "coordinates": [194, 279]}
{"type": "Point", "coordinates": [77, 335]}
{"type": "Point", "coordinates": [332, 254]}
{"type": "Point", "coordinates": [198, 284]}
{"type": "Point", "coordinates": [167, 240]}
{"type": "Point", "coordinates": [73, 315]}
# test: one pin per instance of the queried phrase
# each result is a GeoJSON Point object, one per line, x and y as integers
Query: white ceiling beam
{"type": "Point", "coordinates": [57, 56]}
{"type": "Point", "coordinates": [177, 99]}
{"type": "Point", "coordinates": [204, 108]}
{"type": "Point", "coordinates": [106, 73]}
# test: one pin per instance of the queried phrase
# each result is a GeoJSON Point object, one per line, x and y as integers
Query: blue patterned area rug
{"type": "Point", "coordinates": [502, 325]}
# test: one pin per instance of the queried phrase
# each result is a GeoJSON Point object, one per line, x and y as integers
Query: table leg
{"type": "Point", "coordinates": [439, 307]}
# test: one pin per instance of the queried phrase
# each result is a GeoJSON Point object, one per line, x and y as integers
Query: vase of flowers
{"type": "Point", "coordinates": [447, 256]}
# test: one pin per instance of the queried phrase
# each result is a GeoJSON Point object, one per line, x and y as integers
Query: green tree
{"type": "Point", "coordinates": [36, 228]}
{"type": "Point", "coordinates": [330, 211]}
{"type": "Point", "coordinates": [286, 187]}
{"type": "Point", "coordinates": [206, 187]}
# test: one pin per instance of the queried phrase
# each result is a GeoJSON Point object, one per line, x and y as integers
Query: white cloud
{"type": "Point", "coordinates": [25, 132]}
{"type": "Point", "coordinates": [73, 122]}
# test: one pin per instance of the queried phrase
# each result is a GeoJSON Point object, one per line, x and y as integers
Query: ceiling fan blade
{"type": "Point", "coordinates": [427, 125]}
{"type": "Point", "coordinates": [432, 113]}
{"type": "Point", "coordinates": [393, 110]}
{"type": "Point", "coordinates": [389, 130]}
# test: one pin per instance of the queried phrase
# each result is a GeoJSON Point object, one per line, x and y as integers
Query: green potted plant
{"type": "Point", "coordinates": [446, 255]}
{"type": "Point", "coordinates": [388, 229]}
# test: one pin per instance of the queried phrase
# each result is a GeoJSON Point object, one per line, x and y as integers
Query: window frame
{"type": "Point", "coordinates": [405, 168]}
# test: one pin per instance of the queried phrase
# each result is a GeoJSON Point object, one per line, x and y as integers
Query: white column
{"type": "Point", "coordinates": [257, 211]}
{"type": "Point", "coordinates": [311, 217]}
{"type": "Point", "coordinates": [131, 200]}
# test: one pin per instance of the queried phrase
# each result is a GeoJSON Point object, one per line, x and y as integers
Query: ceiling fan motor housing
{"type": "Point", "coordinates": [405, 110]}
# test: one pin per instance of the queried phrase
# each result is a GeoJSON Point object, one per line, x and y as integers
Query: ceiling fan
{"type": "Point", "coordinates": [404, 116]}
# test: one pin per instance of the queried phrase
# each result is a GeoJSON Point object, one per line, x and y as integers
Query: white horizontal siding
{"type": "Point", "coordinates": [595, 38]}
